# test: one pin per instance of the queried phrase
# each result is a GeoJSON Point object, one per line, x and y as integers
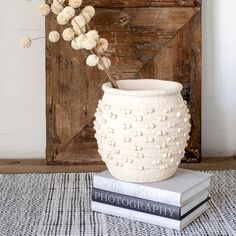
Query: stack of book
{"type": "Point", "coordinates": [172, 203]}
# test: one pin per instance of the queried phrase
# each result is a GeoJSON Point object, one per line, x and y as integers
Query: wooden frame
{"type": "Point", "coordinates": [148, 39]}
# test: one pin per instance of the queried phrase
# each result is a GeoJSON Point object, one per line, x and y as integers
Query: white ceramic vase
{"type": "Point", "coordinates": [142, 129]}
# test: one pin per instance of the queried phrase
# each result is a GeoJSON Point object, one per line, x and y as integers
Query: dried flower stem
{"type": "Point", "coordinates": [43, 37]}
{"type": "Point", "coordinates": [107, 72]}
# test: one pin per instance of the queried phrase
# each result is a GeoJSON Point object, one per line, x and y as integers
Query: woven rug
{"type": "Point", "coordinates": [59, 204]}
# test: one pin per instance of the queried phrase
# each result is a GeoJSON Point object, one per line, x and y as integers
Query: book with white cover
{"type": "Point", "coordinates": [148, 218]}
{"type": "Point", "coordinates": [177, 191]}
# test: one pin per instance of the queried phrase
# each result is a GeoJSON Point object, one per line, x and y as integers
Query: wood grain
{"type": "Point", "coordinates": [180, 61]}
{"type": "Point", "coordinates": [19, 166]}
{"type": "Point", "coordinates": [147, 3]}
{"type": "Point", "coordinates": [155, 39]}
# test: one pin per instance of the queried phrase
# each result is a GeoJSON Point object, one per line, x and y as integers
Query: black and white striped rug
{"type": "Point", "coordinates": [59, 204]}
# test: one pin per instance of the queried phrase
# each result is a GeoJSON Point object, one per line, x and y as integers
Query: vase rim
{"type": "Point", "coordinates": [144, 87]}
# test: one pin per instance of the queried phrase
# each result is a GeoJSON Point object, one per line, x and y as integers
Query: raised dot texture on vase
{"type": "Point", "coordinates": [138, 148]}
{"type": "Point", "coordinates": [139, 133]}
{"type": "Point", "coordinates": [127, 139]}
{"type": "Point", "coordinates": [154, 162]}
{"type": "Point", "coordinates": [149, 110]}
{"type": "Point", "coordinates": [107, 107]}
{"type": "Point", "coordinates": [164, 145]}
{"type": "Point", "coordinates": [127, 126]}
{"type": "Point", "coordinates": [172, 160]}
{"type": "Point", "coordinates": [179, 130]}
{"type": "Point", "coordinates": [110, 130]}
{"type": "Point", "coordinates": [164, 155]}
{"type": "Point", "coordinates": [117, 152]}
{"type": "Point", "coordinates": [181, 105]}
{"type": "Point", "coordinates": [150, 140]}
{"type": "Point", "coordinates": [113, 116]}
{"type": "Point", "coordinates": [98, 109]}
{"type": "Point", "coordinates": [168, 139]}
{"type": "Point", "coordinates": [128, 111]}
{"type": "Point", "coordinates": [178, 114]}
{"type": "Point", "coordinates": [185, 120]}
{"type": "Point", "coordinates": [168, 110]}
{"type": "Point", "coordinates": [150, 126]}
{"type": "Point", "coordinates": [177, 163]}
{"type": "Point", "coordinates": [141, 155]}
{"type": "Point", "coordinates": [109, 156]}
{"type": "Point", "coordinates": [162, 167]}
{"type": "Point", "coordinates": [163, 118]}
{"type": "Point", "coordinates": [112, 143]}
{"type": "Point", "coordinates": [177, 144]}
{"type": "Point", "coordinates": [164, 132]}
{"type": "Point", "coordinates": [103, 135]}
{"type": "Point", "coordinates": [103, 121]}
{"type": "Point", "coordinates": [130, 160]}
{"type": "Point", "coordinates": [138, 118]}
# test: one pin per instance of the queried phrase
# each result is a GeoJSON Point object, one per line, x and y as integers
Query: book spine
{"type": "Point", "coordinates": [136, 190]}
{"type": "Point", "coordinates": [133, 215]}
{"type": "Point", "coordinates": [136, 204]}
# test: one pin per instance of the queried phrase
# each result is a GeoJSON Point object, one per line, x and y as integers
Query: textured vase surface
{"type": "Point", "coordinates": [142, 129]}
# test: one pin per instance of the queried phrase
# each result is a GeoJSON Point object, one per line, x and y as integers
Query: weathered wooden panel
{"type": "Point", "coordinates": [148, 39]}
{"type": "Point", "coordinates": [180, 61]}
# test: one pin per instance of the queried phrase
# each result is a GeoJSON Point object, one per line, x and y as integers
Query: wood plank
{"type": "Point", "coordinates": [180, 61]}
{"type": "Point", "coordinates": [141, 3]}
{"type": "Point", "coordinates": [39, 166]}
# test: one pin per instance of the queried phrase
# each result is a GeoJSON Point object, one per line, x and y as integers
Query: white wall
{"type": "Point", "coordinates": [219, 78]}
{"type": "Point", "coordinates": [22, 80]}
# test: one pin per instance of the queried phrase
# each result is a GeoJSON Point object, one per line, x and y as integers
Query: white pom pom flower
{"type": "Point", "coordinates": [79, 30]}
{"type": "Point", "coordinates": [89, 43]}
{"type": "Point", "coordinates": [53, 36]}
{"type": "Point", "coordinates": [77, 43]}
{"type": "Point", "coordinates": [68, 34]}
{"type": "Point", "coordinates": [75, 3]}
{"type": "Point", "coordinates": [93, 34]}
{"type": "Point", "coordinates": [62, 19]}
{"type": "Point", "coordinates": [59, 1]}
{"type": "Point", "coordinates": [104, 62]}
{"type": "Point", "coordinates": [89, 10]}
{"type": "Point", "coordinates": [78, 21]}
{"type": "Point", "coordinates": [25, 42]}
{"type": "Point", "coordinates": [92, 60]}
{"type": "Point", "coordinates": [68, 12]}
{"type": "Point", "coordinates": [56, 8]}
{"type": "Point", "coordinates": [44, 9]}
{"type": "Point", "coordinates": [102, 45]}
{"type": "Point", "coordinates": [86, 17]}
